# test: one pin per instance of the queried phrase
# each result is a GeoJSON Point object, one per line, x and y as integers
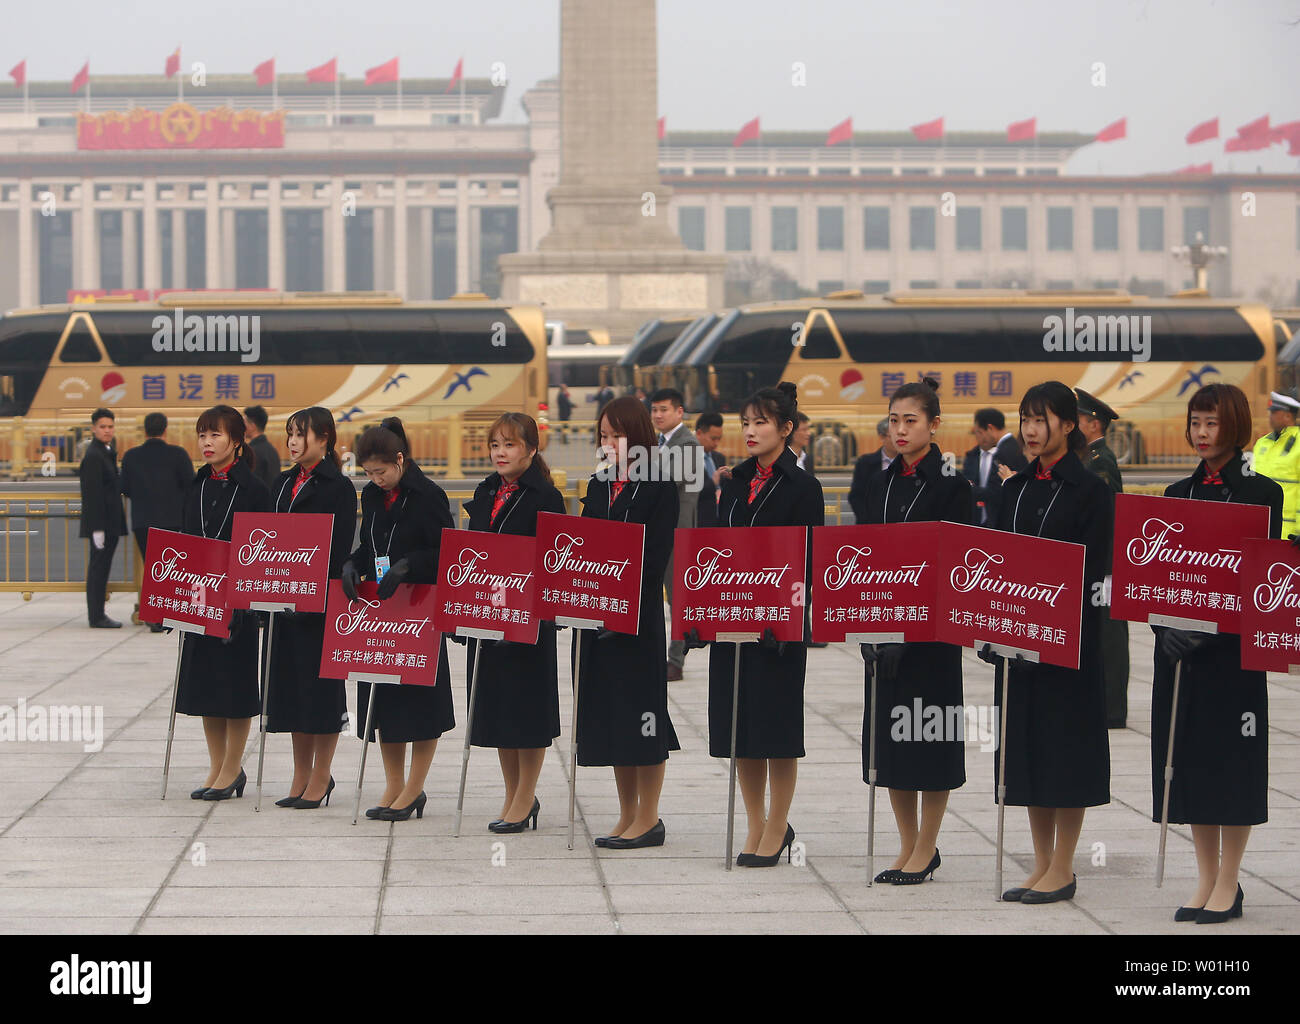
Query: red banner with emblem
{"type": "Point", "coordinates": [181, 126]}
{"type": "Point", "coordinates": [185, 582]}
{"type": "Point", "coordinates": [390, 641]}
{"type": "Point", "coordinates": [589, 571]}
{"type": "Point", "coordinates": [280, 560]}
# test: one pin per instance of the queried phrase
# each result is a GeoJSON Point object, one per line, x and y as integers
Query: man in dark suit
{"type": "Point", "coordinates": [993, 445]}
{"type": "Point", "coordinates": [155, 476]}
{"type": "Point", "coordinates": [666, 414]}
{"type": "Point", "coordinates": [801, 443]}
{"type": "Point", "coordinates": [868, 466]}
{"type": "Point", "coordinates": [267, 468]}
{"type": "Point", "coordinates": [708, 431]}
{"type": "Point", "coordinates": [102, 519]}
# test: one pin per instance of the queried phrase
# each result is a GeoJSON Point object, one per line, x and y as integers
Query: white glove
{"type": "Point", "coordinates": [98, 538]}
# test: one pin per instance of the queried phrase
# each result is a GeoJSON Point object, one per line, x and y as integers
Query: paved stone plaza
{"type": "Point", "coordinates": [86, 846]}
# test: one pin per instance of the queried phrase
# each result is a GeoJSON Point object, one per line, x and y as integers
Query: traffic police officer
{"type": "Point", "coordinates": [1095, 416]}
{"type": "Point", "coordinates": [1277, 455]}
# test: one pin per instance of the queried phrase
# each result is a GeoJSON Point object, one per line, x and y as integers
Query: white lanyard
{"type": "Point", "coordinates": [1015, 516]}
{"type": "Point", "coordinates": [775, 484]}
{"type": "Point", "coordinates": [507, 515]}
{"type": "Point", "coordinates": [906, 515]}
{"type": "Point", "coordinates": [388, 547]}
{"type": "Point", "coordinates": [203, 504]}
{"type": "Point", "coordinates": [609, 511]}
{"type": "Point", "coordinates": [294, 497]}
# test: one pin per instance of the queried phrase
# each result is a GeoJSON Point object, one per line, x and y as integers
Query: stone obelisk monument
{"type": "Point", "coordinates": [611, 258]}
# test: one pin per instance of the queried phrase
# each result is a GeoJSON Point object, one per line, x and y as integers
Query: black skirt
{"type": "Point", "coordinates": [918, 748]}
{"type": "Point", "coordinates": [770, 717]}
{"type": "Point", "coordinates": [220, 680]}
{"type": "Point", "coordinates": [623, 700]}
{"type": "Point", "coordinates": [410, 714]}
{"type": "Point", "coordinates": [300, 700]}
{"type": "Point", "coordinates": [1220, 742]}
{"type": "Point", "coordinates": [518, 701]}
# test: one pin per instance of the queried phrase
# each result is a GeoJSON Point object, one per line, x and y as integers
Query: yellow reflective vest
{"type": "Point", "coordinates": [1278, 458]}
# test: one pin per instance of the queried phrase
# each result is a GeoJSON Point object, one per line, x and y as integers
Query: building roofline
{"type": "Point", "coordinates": [990, 182]}
{"type": "Point", "coordinates": [817, 140]}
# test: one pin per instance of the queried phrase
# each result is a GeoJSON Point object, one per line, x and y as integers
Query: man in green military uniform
{"type": "Point", "coordinates": [1277, 455]}
{"type": "Point", "coordinates": [1095, 416]}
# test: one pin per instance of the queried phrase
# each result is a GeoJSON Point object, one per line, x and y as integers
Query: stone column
{"type": "Point", "coordinates": [212, 236]}
{"type": "Point", "coordinates": [28, 255]}
{"type": "Point", "coordinates": [274, 237]}
{"type": "Point", "coordinates": [180, 265]}
{"type": "Point", "coordinates": [152, 268]}
{"type": "Point", "coordinates": [400, 283]}
{"type": "Point", "coordinates": [89, 238]}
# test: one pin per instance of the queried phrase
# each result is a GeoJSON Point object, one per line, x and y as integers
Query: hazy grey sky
{"type": "Point", "coordinates": [1169, 64]}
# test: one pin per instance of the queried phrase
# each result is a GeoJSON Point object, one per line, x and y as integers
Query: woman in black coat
{"type": "Point", "coordinates": [767, 489]}
{"type": "Point", "coordinates": [219, 677]}
{"type": "Point", "coordinates": [624, 676]}
{"type": "Point", "coordinates": [403, 514]}
{"type": "Point", "coordinates": [915, 489]}
{"type": "Point", "coordinates": [1220, 783]}
{"type": "Point", "coordinates": [314, 709]}
{"type": "Point", "coordinates": [1058, 751]}
{"type": "Point", "coordinates": [518, 701]}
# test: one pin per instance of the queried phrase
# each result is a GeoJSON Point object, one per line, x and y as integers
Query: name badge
{"type": "Point", "coordinates": [382, 563]}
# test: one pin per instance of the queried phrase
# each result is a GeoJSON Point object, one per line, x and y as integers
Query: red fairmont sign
{"type": "Point", "coordinates": [589, 571]}
{"type": "Point", "coordinates": [1270, 606]}
{"type": "Point", "coordinates": [392, 641]}
{"type": "Point", "coordinates": [186, 583]}
{"type": "Point", "coordinates": [280, 561]}
{"type": "Point", "coordinates": [1177, 561]}
{"type": "Point", "coordinates": [1021, 594]}
{"type": "Point", "coordinates": [875, 584]}
{"type": "Point", "coordinates": [732, 584]}
{"type": "Point", "coordinates": [487, 586]}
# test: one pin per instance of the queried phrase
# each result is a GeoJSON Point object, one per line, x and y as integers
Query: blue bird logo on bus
{"type": "Point", "coordinates": [463, 378]}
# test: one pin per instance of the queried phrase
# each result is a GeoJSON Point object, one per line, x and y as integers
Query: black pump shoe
{"type": "Point", "coordinates": [310, 805]}
{"type": "Point", "coordinates": [376, 813]}
{"type": "Point", "coordinates": [290, 801]}
{"type": "Point", "coordinates": [1187, 913]}
{"type": "Point", "coordinates": [653, 836]}
{"type": "Point", "coordinates": [402, 813]}
{"type": "Point", "coordinates": [888, 875]}
{"type": "Point", "coordinates": [509, 827]}
{"type": "Point", "coordinates": [758, 861]}
{"type": "Point", "coordinates": [917, 877]}
{"type": "Point", "coordinates": [1066, 892]}
{"type": "Point", "coordinates": [197, 794]}
{"type": "Point", "coordinates": [1204, 916]}
{"type": "Point", "coordinates": [1014, 895]}
{"type": "Point", "coordinates": [236, 788]}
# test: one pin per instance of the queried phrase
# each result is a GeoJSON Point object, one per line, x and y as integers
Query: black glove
{"type": "Point", "coordinates": [235, 624]}
{"type": "Point", "coordinates": [986, 653]}
{"type": "Point", "coordinates": [1179, 643]}
{"type": "Point", "coordinates": [395, 575]}
{"type": "Point", "coordinates": [691, 640]}
{"type": "Point", "coordinates": [605, 634]}
{"type": "Point", "coordinates": [288, 615]}
{"type": "Point", "coordinates": [869, 655]}
{"type": "Point", "coordinates": [889, 657]}
{"type": "Point", "coordinates": [770, 641]}
{"type": "Point", "coordinates": [349, 577]}
{"type": "Point", "coordinates": [1295, 540]}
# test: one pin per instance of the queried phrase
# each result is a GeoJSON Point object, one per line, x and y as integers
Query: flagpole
{"type": "Point", "coordinates": [275, 92]}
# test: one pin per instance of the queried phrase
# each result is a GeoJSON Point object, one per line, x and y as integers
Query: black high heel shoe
{"type": "Point", "coordinates": [507, 827]}
{"type": "Point", "coordinates": [236, 788]}
{"type": "Point", "coordinates": [654, 836]}
{"type": "Point", "coordinates": [1065, 892]}
{"type": "Point", "coordinates": [758, 861]}
{"type": "Point", "coordinates": [402, 813]}
{"type": "Point", "coordinates": [290, 801]}
{"type": "Point", "coordinates": [888, 875]}
{"type": "Point", "coordinates": [1204, 916]}
{"type": "Point", "coordinates": [197, 794]}
{"type": "Point", "coordinates": [1187, 913]}
{"type": "Point", "coordinates": [375, 813]}
{"type": "Point", "coordinates": [917, 877]}
{"type": "Point", "coordinates": [310, 805]}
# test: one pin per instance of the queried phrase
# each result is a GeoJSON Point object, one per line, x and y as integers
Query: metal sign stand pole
{"type": "Point", "coordinates": [266, 693]}
{"type": "Point", "coordinates": [871, 784]}
{"type": "Point", "coordinates": [1169, 777]}
{"type": "Point", "coordinates": [365, 747]}
{"type": "Point", "coordinates": [171, 722]}
{"type": "Point", "coordinates": [1002, 771]}
{"type": "Point", "coordinates": [469, 729]}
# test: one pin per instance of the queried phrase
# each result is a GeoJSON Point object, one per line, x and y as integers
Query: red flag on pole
{"type": "Point", "coordinates": [386, 72]}
{"type": "Point", "coordinates": [19, 73]}
{"type": "Point", "coordinates": [81, 78]}
{"type": "Point", "coordinates": [1196, 169]}
{"type": "Point", "coordinates": [456, 75]}
{"type": "Point", "coordinates": [842, 132]}
{"type": "Point", "coordinates": [928, 130]}
{"type": "Point", "coordinates": [1246, 143]}
{"type": "Point", "coordinates": [1204, 131]}
{"type": "Point", "coordinates": [173, 63]}
{"type": "Point", "coordinates": [663, 122]}
{"type": "Point", "coordinates": [748, 132]}
{"type": "Point", "coordinates": [1259, 126]}
{"type": "Point", "coordinates": [1117, 130]}
{"type": "Point", "coordinates": [265, 72]}
{"type": "Point", "coordinates": [1022, 131]}
{"type": "Point", "coordinates": [1289, 132]}
{"type": "Point", "coordinates": [326, 72]}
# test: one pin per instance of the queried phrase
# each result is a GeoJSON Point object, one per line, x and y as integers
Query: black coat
{"type": "Point", "coordinates": [707, 500]}
{"type": "Point", "coordinates": [301, 700]}
{"type": "Point", "coordinates": [1058, 751]}
{"type": "Point", "coordinates": [220, 679]}
{"type": "Point", "coordinates": [101, 492]}
{"type": "Point", "coordinates": [1220, 766]}
{"type": "Point", "coordinates": [518, 701]}
{"type": "Point", "coordinates": [990, 495]}
{"type": "Point", "coordinates": [267, 458]}
{"type": "Point", "coordinates": [770, 716]}
{"type": "Point", "coordinates": [155, 476]}
{"type": "Point", "coordinates": [865, 470]}
{"type": "Point", "coordinates": [625, 676]}
{"type": "Point", "coordinates": [930, 672]}
{"type": "Point", "coordinates": [410, 530]}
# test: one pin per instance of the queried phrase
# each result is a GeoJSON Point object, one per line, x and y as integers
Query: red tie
{"type": "Point", "coordinates": [615, 489]}
{"type": "Point", "coordinates": [390, 498]}
{"type": "Point", "coordinates": [761, 476]}
{"type": "Point", "coordinates": [503, 495]}
{"type": "Point", "coordinates": [303, 474]}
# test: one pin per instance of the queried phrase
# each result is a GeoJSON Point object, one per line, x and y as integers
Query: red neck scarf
{"type": "Point", "coordinates": [761, 476]}
{"type": "Point", "coordinates": [390, 497]}
{"type": "Point", "coordinates": [1044, 472]}
{"type": "Point", "coordinates": [910, 470]}
{"type": "Point", "coordinates": [615, 489]}
{"type": "Point", "coordinates": [221, 475]}
{"type": "Point", "coordinates": [504, 490]}
{"type": "Point", "coordinates": [1210, 479]}
{"type": "Point", "coordinates": [303, 473]}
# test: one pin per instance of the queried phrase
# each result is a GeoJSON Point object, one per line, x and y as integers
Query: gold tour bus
{"type": "Point", "coordinates": [848, 353]}
{"type": "Point", "coordinates": [447, 368]}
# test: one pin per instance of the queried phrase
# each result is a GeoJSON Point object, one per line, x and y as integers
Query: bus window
{"type": "Point", "coordinates": [480, 336]}
{"type": "Point", "coordinates": [818, 341]}
{"type": "Point", "coordinates": [80, 346]}
{"type": "Point", "coordinates": [23, 358]}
